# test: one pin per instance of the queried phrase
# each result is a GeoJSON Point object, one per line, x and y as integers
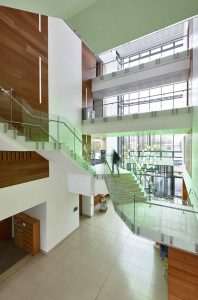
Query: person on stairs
{"type": "Point", "coordinates": [115, 161]}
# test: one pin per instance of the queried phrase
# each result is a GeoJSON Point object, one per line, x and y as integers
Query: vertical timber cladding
{"type": "Point", "coordinates": [21, 166]}
{"type": "Point", "coordinates": [24, 68]}
{"type": "Point", "coordinates": [182, 275]}
{"type": "Point", "coordinates": [23, 39]}
{"type": "Point", "coordinates": [88, 71]}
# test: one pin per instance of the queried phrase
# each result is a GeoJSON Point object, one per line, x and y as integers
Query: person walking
{"type": "Point", "coordinates": [115, 161]}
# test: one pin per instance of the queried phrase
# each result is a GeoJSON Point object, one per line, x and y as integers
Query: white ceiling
{"type": "Point", "coordinates": [59, 8]}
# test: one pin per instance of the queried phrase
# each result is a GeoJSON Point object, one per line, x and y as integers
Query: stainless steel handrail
{"type": "Point", "coordinates": [132, 194]}
{"type": "Point", "coordinates": [37, 117]}
{"type": "Point", "coordinates": [149, 49]}
{"type": "Point", "coordinates": [32, 125]}
{"type": "Point", "coordinates": [127, 103]}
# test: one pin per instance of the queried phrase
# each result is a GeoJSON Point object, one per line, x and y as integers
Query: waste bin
{"type": "Point", "coordinates": [103, 155]}
{"type": "Point", "coordinates": [88, 113]}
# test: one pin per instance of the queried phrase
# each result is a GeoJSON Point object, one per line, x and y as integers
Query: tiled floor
{"type": "Point", "coordinates": [101, 260]}
{"type": "Point", "coordinates": [166, 219]}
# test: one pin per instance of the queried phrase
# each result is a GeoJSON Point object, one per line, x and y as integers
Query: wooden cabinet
{"type": "Point", "coordinates": [27, 233]}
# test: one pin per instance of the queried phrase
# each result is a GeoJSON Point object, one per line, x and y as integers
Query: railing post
{"type": "Point", "coordinates": [134, 213]}
{"type": "Point", "coordinates": [58, 129]}
{"type": "Point", "coordinates": [11, 115]}
{"type": "Point", "coordinates": [162, 237]}
{"type": "Point", "coordinates": [74, 143]}
{"type": "Point", "coordinates": [187, 94]}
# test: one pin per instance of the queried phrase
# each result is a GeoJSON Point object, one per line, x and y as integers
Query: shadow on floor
{"type": "Point", "coordinates": [10, 254]}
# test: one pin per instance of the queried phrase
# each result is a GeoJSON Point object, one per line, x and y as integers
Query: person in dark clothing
{"type": "Point", "coordinates": [115, 161]}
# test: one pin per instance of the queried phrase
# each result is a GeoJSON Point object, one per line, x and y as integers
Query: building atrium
{"type": "Point", "coordinates": [99, 150]}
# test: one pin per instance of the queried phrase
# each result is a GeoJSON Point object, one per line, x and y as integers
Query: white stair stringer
{"type": "Point", "coordinates": [124, 188]}
{"type": "Point", "coordinates": [155, 220]}
{"type": "Point", "coordinates": [57, 153]}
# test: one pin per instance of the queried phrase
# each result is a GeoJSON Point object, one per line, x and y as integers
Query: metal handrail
{"type": "Point", "coordinates": [172, 207]}
{"type": "Point", "coordinates": [191, 191]}
{"type": "Point", "coordinates": [151, 203]}
{"type": "Point", "coordinates": [123, 187]}
{"type": "Point", "coordinates": [149, 49]}
{"type": "Point", "coordinates": [109, 167]}
{"type": "Point", "coordinates": [40, 118]}
{"type": "Point", "coordinates": [32, 125]}
{"type": "Point", "coordinates": [144, 173]}
{"type": "Point", "coordinates": [139, 101]}
{"type": "Point", "coordinates": [148, 100]}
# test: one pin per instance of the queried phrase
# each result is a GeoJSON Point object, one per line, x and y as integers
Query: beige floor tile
{"type": "Point", "coordinates": [101, 260]}
{"type": "Point", "coordinates": [105, 296]}
{"type": "Point", "coordinates": [157, 294]}
{"type": "Point", "coordinates": [143, 288]}
{"type": "Point", "coordinates": [137, 296]}
{"type": "Point", "coordinates": [145, 276]}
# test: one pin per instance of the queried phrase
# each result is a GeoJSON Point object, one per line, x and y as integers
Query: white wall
{"type": "Point", "coordinates": [65, 71]}
{"type": "Point", "coordinates": [111, 144]}
{"type": "Point", "coordinates": [195, 109]}
{"type": "Point", "coordinates": [48, 199]}
{"type": "Point", "coordinates": [56, 214]}
{"type": "Point", "coordinates": [192, 181]}
{"type": "Point", "coordinates": [100, 186]}
{"type": "Point", "coordinates": [81, 184]}
{"type": "Point", "coordinates": [88, 206]}
{"type": "Point", "coordinates": [162, 120]}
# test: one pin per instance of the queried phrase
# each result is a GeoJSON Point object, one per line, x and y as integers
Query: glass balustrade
{"type": "Point", "coordinates": [171, 224]}
{"type": "Point", "coordinates": [54, 132]}
{"type": "Point", "coordinates": [156, 99]}
{"type": "Point", "coordinates": [158, 52]}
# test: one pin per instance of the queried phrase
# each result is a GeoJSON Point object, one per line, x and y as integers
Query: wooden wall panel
{"type": "Point", "coordinates": [97, 199]}
{"type": "Point", "coordinates": [21, 44]}
{"type": "Point", "coordinates": [88, 62]}
{"type": "Point", "coordinates": [80, 205]}
{"type": "Point", "coordinates": [182, 275]}
{"type": "Point", "coordinates": [19, 167]}
{"type": "Point", "coordinates": [188, 153]}
{"type": "Point", "coordinates": [5, 229]}
{"type": "Point", "coordinates": [184, 192]}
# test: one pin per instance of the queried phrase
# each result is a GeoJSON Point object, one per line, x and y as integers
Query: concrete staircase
{"type": "Point", "coordinates": [13, 140]}
{"type": "Point", "coordinates": [124, 188]}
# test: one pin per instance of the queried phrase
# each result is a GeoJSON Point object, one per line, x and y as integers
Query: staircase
{"type": "Point", "coordinates": [166, 223]}
{"type": "Point", "coordinates": [129, 184]}
{"type": "Point", "coordinates": [13, 140]}
{"type": "Point", "coordinates": [23, 128]}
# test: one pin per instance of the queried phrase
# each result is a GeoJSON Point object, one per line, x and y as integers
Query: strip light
{"type": "Point", "coordinates": [40, 81]}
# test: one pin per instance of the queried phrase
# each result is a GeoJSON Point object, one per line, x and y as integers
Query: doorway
{"type": "Point", "coordinates": [10, 254]}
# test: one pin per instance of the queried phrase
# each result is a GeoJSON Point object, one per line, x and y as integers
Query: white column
{"type": "Point", "coordinates": [88, 205]}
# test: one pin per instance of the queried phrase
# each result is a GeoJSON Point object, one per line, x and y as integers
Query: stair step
{"type": "Point", "coordinates": [13, 133]}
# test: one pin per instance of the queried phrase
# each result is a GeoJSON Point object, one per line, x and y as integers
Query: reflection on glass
{"type": "Point", "coordinates": [154, 99]}
{"type": "Point", "coordinates": [112, 62]}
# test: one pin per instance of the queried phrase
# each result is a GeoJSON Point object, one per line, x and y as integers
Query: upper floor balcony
{"type": "Point", "coordinates": [161, 71]}
{"type": "Point", "coordinates": [154, 60]}
{"type": "Point", "coordinates": [161, 108]}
